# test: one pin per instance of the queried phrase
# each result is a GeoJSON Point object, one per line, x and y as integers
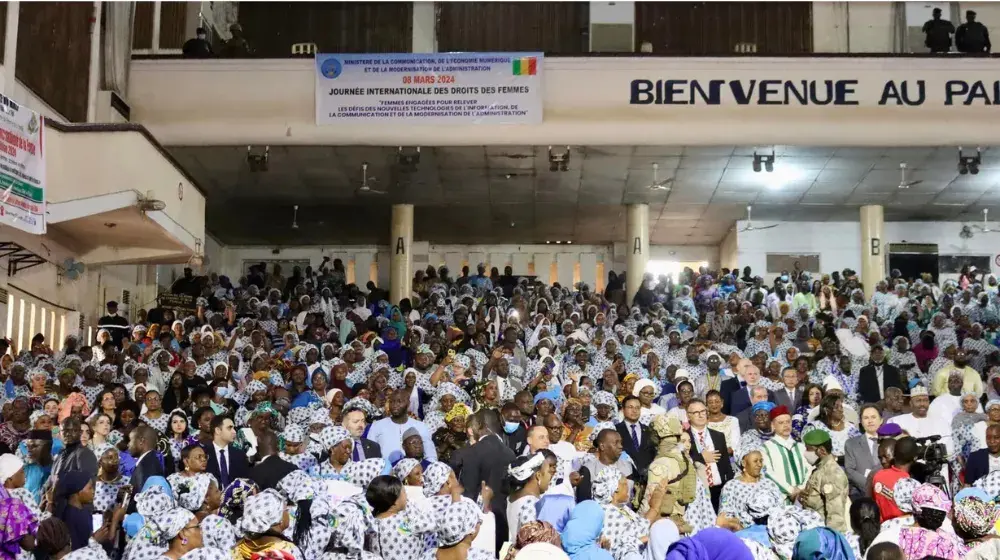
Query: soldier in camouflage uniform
{"type": "Point", "coordinates": [826, 490]}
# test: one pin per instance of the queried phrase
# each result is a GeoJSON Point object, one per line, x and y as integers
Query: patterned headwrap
{"type": "Point", "coordinates": [424, 349]}
{"type": "Point", "coordinates": [262, 511]}
{"type": "Point", "coordinates": [457, 411]}
{"type": "Point", "coordinates": [294, 433]}
{"type": "Point", "coordinates": [761, 504]}
{"type": "Point", "coordinates": [606, 398]}
{"type": "Point", "coordinates": [975, 517]}
{"type": "Point", "coordinates": [928, 496]}
{"type": "Point", "coordinates": [435, 475]}
{"type": "Point", "coordinates": [153, 502]}
{"type": "Point", "coordinates": [331, 436]}
{"type": "Point", "coordinates": [600, 427]}
{"type": "Point", "coordinates": [235, 495]}
{"type": "Point", "coordinates": [255, 386]}
{"type": "Point", "coordinates": [991, 404]}
{"type": "Point", "coordinates": [359, 403]}
{"type": "Point", "coordinates": [300, 415]}
{"type": "Point", "coordinates": [458, 520]}
{"type": "Point", "coordinates": [526, 469]}
{"type": "Point", "coordinates": [218, 532]}
{"type": "Point", "coordinates": [191, 490]}
{"type": "Point", "coordinates": [297, 486]}
{"type": "Point", "coordinates": [785, 523]}
{"type": "Point", "coordinates": [173, 522]}
{"type": "Point", "coordinates": [902, 494]}
{"type": "Point", "coordinates": [404, 467]}
{"type": "Point", "coordinates": [605, 485]}
{"type": "Point", "coordinates": [352, 521]}
{"type": "Point", "coordinates": [362, 473]}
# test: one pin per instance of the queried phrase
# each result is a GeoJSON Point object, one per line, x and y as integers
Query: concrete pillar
{"type": "Point", "coordinates": [424, 27]}
{"type": "Point", "coordinates": [401, 253]}
{"type": "Point", "coordinates": [872, 247]}
{"type": "Point", "coordinates": [10, 49]}
{"type": "Point", "coordinates": [636, 247]}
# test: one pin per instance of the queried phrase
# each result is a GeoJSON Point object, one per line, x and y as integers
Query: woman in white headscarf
{"type": "Point", "coordinates": [647, 391]}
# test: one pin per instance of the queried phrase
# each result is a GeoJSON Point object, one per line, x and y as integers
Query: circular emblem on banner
{"type": "Point", "coordinates": [997, 260]}
{"type": "Point", "coordinates": [878, 488]}
{"type": "Point", "coordinates": [331, 68]}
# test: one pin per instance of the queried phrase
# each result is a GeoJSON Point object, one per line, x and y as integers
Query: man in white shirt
{"type": "Point", "coordinates": [917, 424]}
{"type": "Point", "coordinates": [388, 432]}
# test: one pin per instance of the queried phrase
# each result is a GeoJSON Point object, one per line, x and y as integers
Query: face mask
{"type": "Point", "coordinates": [811, 457]}
{"type": "Point", "coordinates": [784, 278]}
{"type": "Point", "coordinates": [510, 427]}
{"type": "Point", "coordinates": [223, 392]}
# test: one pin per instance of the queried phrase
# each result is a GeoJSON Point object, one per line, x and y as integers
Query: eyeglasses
{"type": "Point", "coordinates": [697, 412]}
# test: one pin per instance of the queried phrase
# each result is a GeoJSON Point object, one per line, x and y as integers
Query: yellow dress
{"type": "Point", "coordinates": [248, 549]}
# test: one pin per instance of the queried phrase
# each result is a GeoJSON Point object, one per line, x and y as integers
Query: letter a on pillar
{"type": "Point", "coordinates": [637, 246]}
{"type": "Point", "coordinates": [400, 246]}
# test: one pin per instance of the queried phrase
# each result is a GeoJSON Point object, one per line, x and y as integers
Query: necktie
{"type": "Point", "coordinates": [223, 468]}
{"type": "Point", "coordinates": [635, 438]}
{"type": "Point", "coordinates": [357, 452]}
{"type": "Point", "coordinates": [708, 471]}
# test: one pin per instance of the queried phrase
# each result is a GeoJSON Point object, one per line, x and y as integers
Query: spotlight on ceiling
{"type": "Point", "coordinates": [969, 164]}
{"type": "Point", "coordinates": [559, 161]}
{"type": "Point", "coordinates": [766, 161]}
{"type": "Point", "coordinates": [258, 162]}
{"type": "Point", "coordinates": [408, 159]}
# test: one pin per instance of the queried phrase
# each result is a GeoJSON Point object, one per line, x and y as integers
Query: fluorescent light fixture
{"type": "Point", "coordinates": [780, 177]}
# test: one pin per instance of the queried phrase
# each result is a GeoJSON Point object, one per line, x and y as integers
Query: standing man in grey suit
{"type": "Point", "coordinates": [791, 395]}
{"type": "Point", "coordinates": [861, 452]}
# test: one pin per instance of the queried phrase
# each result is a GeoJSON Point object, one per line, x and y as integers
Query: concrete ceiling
{"type": "Point", "coordinates": [507, 194]}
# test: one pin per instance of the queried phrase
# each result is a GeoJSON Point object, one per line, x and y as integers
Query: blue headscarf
{"type": "Point", "coordinates": [766, 406]}
{"type": "Point", "coordinates": [579, 538]}
{"type": "Point", "coordinates": [821, 543]}
{"type": "Point", "coordinates": [710, 544]}
{"type": "Point", "coordinates": [134, 521]}
{"type": "Point", "coordinates": [555, 395]}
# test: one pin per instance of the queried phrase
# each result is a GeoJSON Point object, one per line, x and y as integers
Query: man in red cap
{"type": "Point", "coordinates": [784, 458]}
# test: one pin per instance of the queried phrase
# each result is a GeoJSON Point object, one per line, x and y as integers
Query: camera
{"type": "Point", "coordinates": [931, 457]}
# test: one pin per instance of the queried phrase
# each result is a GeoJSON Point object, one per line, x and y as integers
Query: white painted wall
{"type": "Point", "coordinates": [839, 243]}
{"type": "Point", "coordinates": [728, 250]}
{"type": "Point", "coordinates": [858, 27]}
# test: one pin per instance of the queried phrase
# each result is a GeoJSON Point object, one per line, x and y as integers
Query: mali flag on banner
{"type": "Point", "coordinates": [525, 66]}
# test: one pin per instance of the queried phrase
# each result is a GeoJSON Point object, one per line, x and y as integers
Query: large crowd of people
{"type": "Point", "coordinates": [712, 416]}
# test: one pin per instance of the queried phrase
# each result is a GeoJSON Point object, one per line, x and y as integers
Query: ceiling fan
{"type": "Point", "coordinates": [903, 183]}
{"type": "Point", "coordinates": [365, 187]}
{"type": "Point", "coordinates": [663, 185]}
{"type": "Point", "coordinates": [985, 228]}
{"type": "Point", "coordinates": [751, 227]}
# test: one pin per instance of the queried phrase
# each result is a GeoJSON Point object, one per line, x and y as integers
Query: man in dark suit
{"type": "Point", "coordinates": [225, 462]}
{"type": "Point", "coordinates": [355, 422]}
{"type": "Point", "coordinates": [877, 376]}
{"type": "Point", "coordinates": [270, 468]}
{"type": "Point", "coordinates": [978, 464]}
{"type": "Point", "coordinates": [485, 462]}
{"type": "Point", "coordinates": [861, 452]}
{"type": "Point", "coordinates": [728, 386]}
{"type": "Point", "coordinates": [142, 446]}
{"type": "Point", "coordinates": [740, 400]}
{"type": "Point", "coordinates": [708, 447]}
{"type": "Point", "coordinates": [636, 439]}
{"type": "Point", "coordinates": [791, 395]}
{"type": "Point", "coordinates": [515, 435]}
{"type": "Point", "coordinates": [745, 417]}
